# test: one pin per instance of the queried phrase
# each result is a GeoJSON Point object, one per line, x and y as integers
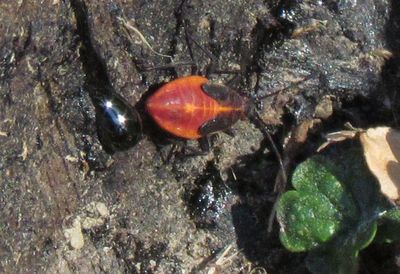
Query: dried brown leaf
{"type": "Point", "coordinates": [382, 151]}
{"type": "Point", "coordinates": [338, 136]}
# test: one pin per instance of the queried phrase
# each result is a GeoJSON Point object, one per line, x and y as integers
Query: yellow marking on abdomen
{"type": "Point", "coordinates": [190, 108]}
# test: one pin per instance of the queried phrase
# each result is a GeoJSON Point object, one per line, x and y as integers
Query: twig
{"type": "Point", "coordinates": [169, 66]}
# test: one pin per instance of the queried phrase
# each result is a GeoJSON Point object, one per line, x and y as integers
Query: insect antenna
{"type": "Point", "coordinates": [209, 54]}
{"type": "Point", "coordinates": [256, 119]}
{"type": "Point", "coordinates": [254, 116]}
{"type": "Point", "coordinates": [189, 46]}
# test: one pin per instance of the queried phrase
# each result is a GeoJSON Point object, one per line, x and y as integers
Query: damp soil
{"type": "Point", "coordinates": [80, 195]}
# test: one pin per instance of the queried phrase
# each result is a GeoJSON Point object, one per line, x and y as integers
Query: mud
{"type": "Point", "coordinates": [130, 209]}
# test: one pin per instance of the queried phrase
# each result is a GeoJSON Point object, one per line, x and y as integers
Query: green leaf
{"type": "Point", "coordinates": [313, 213]}
{"type": "Point", "coordinates": [341, 256]}
{"type": "Point", "coordinates": [332, 212]}
{"type": "Point", "coordinates": [295, 211]}
{"type": "Point", "coordinates": [318, 175]}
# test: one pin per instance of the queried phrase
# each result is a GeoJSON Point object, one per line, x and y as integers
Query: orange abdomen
{"type": "Point", "coordinates": [181, 107]}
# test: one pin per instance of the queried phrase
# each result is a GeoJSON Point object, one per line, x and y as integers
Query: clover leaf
{"type": "Point", "coordinates": [332, 212]}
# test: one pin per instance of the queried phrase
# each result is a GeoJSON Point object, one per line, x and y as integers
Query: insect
{"type": "Point", "coordinates": [191, 107]}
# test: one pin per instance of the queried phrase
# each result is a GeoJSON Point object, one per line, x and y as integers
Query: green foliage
{"type": "Point", "coordinates": [334, 212]}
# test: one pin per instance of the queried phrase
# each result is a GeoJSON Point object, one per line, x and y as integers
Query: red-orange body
{"type": "Point", "coordinates": [190, 107]}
